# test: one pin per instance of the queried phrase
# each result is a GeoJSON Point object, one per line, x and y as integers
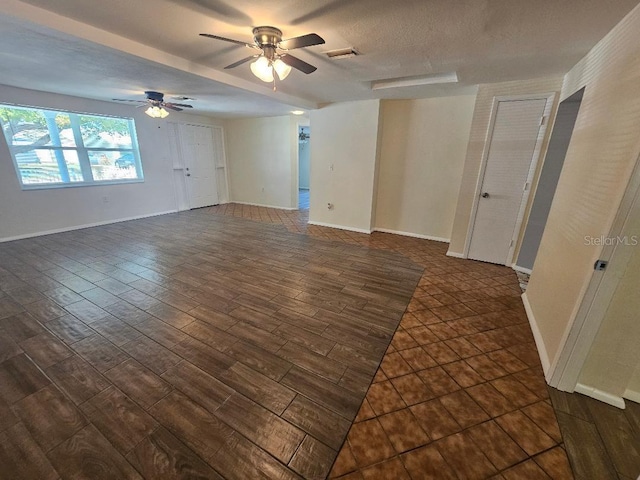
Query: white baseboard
{"type": "Point", "coordinates": [537, 336]}
{"type": "Point", "coordinates": [455, 254]}
{"type": "Point", "coordinates": [80, 227]}
{"type": "Point", "coordinates": [631, 395]}
{"type": "Point", "coordinates": [414, 235]}
{"type": "Point", "coordinates": [517, 268]}
{"type": "Point", "coordinates": [340, 227]}
{"type": "Point", "coordinates": [263, 205]}
{"type": "Point", "coordinates": [600, 395]}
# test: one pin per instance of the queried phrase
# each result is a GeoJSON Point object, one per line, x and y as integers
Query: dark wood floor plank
{"type": "Point", "coordinates": [588, 456]}
{"type": "Point", "coordinates": [21, 327]}
{"type": "Point", "coordinates": [20, 377]}
{"type": "Point", "coordinates": [313, 459]}
{"type": "Point", "coordinates": [198, 385]}
{"type": "Point", "coordinates": [89, 455]}
{"type": "Point", "coordinates": [140, 383]}
{"type": "Point", "coordinates": [100, 353]}
{"type": "Point", "coordinates": [212, 336]}
{"type": "Point", "coordinates": [203, 356]}
{"type": "Point", "coordinates": [151, 354]}
{"type": "Point", "coordinates": [22, 458]}
{"type": "Point", "coordinates": [327, 394]}
{"type": "Point", "coordinates": [120, 420]}
{"type": "Point", "coordinates": [8, 347]}
{"type": "Point", "coordinates": [45, 350]}
{"type": "Point", "coordinates": [69, 329]}
{"type": "Point", "coordinates": [619, 437]}
{"type": "Point", "coordinates": [257, 387]}
{"type": "Point", "coordinates": [200, 430]}
{"type": "Point", "coordinates": [239, 459]}
{"type": "Point", "coordinates": [262, 427]}
{"type": "Point", "coordinates": [313, 362]}
{"type": "Point", "coordinates": [77, 379]}
{"type": "Point", "coordinates": [49, 416]}
{"type": "Point", "coordinates": [270, 365]}
{"type": "Point", "coordinates": [161, 455]}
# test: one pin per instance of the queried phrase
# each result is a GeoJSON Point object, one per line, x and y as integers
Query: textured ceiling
{"type": "Point", "coordinates": [120, 47]}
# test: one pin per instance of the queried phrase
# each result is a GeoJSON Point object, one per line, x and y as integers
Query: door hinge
{"type": "Point", "coordinates": [526, 186]}
{"type": "Point", "coordinates": [511, 243]}
{"type": "Point", "coordinates": [543, 120]}
{"type": "Point", "coordinates": [600, 265]}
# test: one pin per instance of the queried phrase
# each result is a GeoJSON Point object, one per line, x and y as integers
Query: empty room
{"type": "Point", "coordinates": [319, 240]}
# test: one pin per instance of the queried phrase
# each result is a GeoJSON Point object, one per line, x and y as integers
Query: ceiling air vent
{"type": "Point", "coordinates": [342, 53]}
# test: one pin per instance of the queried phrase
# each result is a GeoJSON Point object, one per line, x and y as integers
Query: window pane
{"type": "Point", "coordinates": [105, 132]}
{"type": "Point", "coordinates": [26, 127]}
{"type": "Point", "coordinates": [48, 166]}
{"type": "Point", "coordinates": [112, 165]}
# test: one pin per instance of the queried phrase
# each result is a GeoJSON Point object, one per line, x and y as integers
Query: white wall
{"type": "Point", "coordinates": [615, 354]}
{"type": "Point", "coordinates": [423, 149]}
{"type": "Point", "coordinates": [344, 153]}
{"type": "Point", "coordinates": [29, 212]}
{"type": "Point", "coordinates": [601, 156]}
{"type": "Point", "coordinates": [262, 157]}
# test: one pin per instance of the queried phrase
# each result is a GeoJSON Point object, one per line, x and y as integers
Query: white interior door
{"type": "Point", "coordinates": [511, 151]}
{"type": "Point", "coordinates": [200, 165]}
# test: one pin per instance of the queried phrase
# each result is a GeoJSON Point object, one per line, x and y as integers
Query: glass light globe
{"type": "Point", "coordinates": [262, 69]}
{"type": "Point", "coordinates": [281, 68]}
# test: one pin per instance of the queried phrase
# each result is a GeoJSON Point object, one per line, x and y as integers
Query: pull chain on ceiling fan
{"type": "Point", "coordinates": [273, 53]}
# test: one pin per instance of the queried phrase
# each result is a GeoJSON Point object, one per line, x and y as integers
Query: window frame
{"type": "Point", "coordinates": [81, 150]}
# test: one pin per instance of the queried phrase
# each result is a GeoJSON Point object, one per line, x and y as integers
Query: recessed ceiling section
{"type": "Point", "coordinates": [483, 41]}
{"type": "Point", "coordinates": [434, 79]}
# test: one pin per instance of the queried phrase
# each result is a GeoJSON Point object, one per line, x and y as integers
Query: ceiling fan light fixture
{"type": "Point", "coordinates": [156, 112]}
{"type": "Point", "coordinates": [262, 69]}
{"type": "Point", "coordinates": [281, 68]}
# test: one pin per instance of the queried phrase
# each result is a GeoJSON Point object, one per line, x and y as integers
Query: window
{"type": "Point", "coordinates": [62, 149]}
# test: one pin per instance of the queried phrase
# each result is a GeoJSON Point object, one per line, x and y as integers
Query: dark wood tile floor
{"type": "Point", "coordinates": [189, 345]}
{"type": "Point", "coordinates": [202, 346]}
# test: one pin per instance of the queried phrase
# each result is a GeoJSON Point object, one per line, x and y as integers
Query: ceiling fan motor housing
{"type": "Point", "coordinates": [267, 36]}
{"type": "Point", "coordinates": [154, 96]}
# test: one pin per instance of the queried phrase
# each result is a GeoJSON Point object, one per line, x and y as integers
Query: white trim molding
{"type": "Point", "coordinates": [340, 227]}
{"type": "Point", "coordinates": [600, 395]}
{"type": "Point", "coordinates": [537, 336]}
{"type": "Point", "coordinates": [456, 254]}
{"type": "Point", "coordinates": [520, 269]}
{"type": "Point", "coordinates": [631, 395]}
{"type": "Point", "coordinates": [80, 227]}
{"type": "Point", "coordinates": [414, 235]}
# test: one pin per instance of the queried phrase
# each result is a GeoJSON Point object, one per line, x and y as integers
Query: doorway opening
{"type": "Point", "coordinates": [304, 166]}
{"type": "Point", "coordinates": [549, 176]}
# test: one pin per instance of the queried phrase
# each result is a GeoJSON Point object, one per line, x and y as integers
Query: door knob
{"type": "Point", "coordinates": [188, 174]}
{"type": "Point", "coordinates": [485, 195]}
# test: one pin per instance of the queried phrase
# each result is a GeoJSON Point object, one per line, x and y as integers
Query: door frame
{"type": "Point", "coordinates": [178, 163]}
{"type": "Point", "coordinates": [564, 371]}
{"type": "Point", "coordinates": [524, 202]}
{"type": "Point", "coordinates": [300, 121]}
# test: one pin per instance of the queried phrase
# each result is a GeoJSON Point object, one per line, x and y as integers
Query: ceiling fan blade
{"type": "Point", "coordinates": [298, 64]}
{"type": "Point", "coordinates": [125, 100]}
{"type": "Point", "coordinates": [171, 104]}
{"type": "Point", "coordinates": [171, 107]}
{"type": "Point", "coordinates": [224, 39]}
{"type": "Point", "coordinates": [240, 62]}
{"type": "Point", "coordinates": [302, 41]}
